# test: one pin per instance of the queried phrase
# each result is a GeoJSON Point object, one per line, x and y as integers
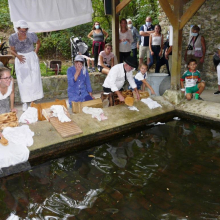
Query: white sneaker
{"type": "Point", "coordinates": [24, 106]}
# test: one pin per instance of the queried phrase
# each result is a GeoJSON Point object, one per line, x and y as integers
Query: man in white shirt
{"type": "Point", "coordinates": [117, 76]}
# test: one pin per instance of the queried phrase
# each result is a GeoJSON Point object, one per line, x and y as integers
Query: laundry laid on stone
{"type": "Point", "coordinates": [95, 112]}
{"type": "Point", "coordinates": [150, 103]}
{"type": "Point", "coordinates": [133, 108]}
{"type": "Point", "coordinates": [29, 116]}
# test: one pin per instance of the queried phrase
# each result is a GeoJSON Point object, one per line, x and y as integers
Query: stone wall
{"type": "Point", "coordinates": [56, 86]}
{"type": "Point", "coordinates": [208, 17]}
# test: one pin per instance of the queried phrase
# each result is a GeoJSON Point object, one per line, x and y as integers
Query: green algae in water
{"type": "Point", "coordinates": [168, 171]}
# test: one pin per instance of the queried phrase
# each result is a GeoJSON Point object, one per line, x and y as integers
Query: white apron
{"type": "Point", "coordinates": [29, 77]}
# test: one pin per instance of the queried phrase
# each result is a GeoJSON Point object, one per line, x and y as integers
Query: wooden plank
{"type": "Point", "coordinates": [194, 7]}
{"type": "Point", "coordinates": [169, 12]}
{"type": "Point", "coordinates": [65, 129]}
{"type": "Point", "coordinates": [122, 4]}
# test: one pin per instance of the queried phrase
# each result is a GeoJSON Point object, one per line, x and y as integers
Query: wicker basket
{"type": "Point", "coordinates": [8, 120]}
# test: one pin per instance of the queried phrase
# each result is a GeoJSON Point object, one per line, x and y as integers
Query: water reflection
{"type": "Point", "coordinates": [168, 171]}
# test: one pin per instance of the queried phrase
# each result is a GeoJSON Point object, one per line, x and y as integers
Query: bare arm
{"type": "Point", "coordinates": [112, 62]}
{"type": "Point", "coordinates": [90, 35]}
{"type": "Point", "coordinates": [149, 86]}
{"type": "Point", "coordinates": [161, 47]}
{"type": "Point", "coordinates": [12, 99]}
{"type": "Point", "coordinates": [106, 34]}
{"type": "Point", "coordinates": [14, 53]}
{"type": "Point", "coordinates": [203, 49]}
{"type": "Point", "coordinates": [137, 93]}
{"type": "Point", "coordinates": [150, 42]}
{"type": "Point", "coordinates": [121, 98]}
{"type": "Point", "coordinates": [146, 33]}
{"type": "Point", "coordinates": [37, 46]}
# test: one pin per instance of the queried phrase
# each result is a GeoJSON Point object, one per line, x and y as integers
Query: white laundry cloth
{"type": "Point", "coordinates": [176, 118]}
{"type": "Point", "coordinates": [58, 111]}
{"type": "Point", "coordinates": [29, 116]}
{"type": "Point", "coordinates": [95, 112]}
{"type": "Point", "coordinates": [51, 15]}
{"type": "Point", "coordinates": [150, 103]}
{"type": "Point", "coordinates": [19, 138]}
{"type": "Point", "coordinates": [13, 217]}
{"type": "Point", "coordinates": [29, 77]}
{"type": "Point", "coordinates": [133, 108]}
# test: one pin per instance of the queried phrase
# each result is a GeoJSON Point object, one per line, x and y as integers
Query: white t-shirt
{"type": "Point", "coordinates": [125, 46]}
{"type": "Point", "coordinates": [139, 76]}
{"type": "Point", "coordinates": [106, 58]}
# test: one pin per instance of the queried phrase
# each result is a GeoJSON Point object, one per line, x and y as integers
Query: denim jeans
{"type": "Point", "coordinates": [156, 50]}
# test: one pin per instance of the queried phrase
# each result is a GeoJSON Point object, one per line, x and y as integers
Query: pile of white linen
{"type": "Point", "coordinates": [19, 138]}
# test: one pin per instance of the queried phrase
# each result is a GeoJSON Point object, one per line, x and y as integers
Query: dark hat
{"type": "Point", "coordinates": [131, 61]}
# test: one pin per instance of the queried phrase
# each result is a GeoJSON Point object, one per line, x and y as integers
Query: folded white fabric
{"type": "Point", "coordinates": [58, 111]}
{"type": "Point", "coordinates": [29, 116]}
{"type": "Point", "coordinates": [95, 112]}
{"type": "Point", "coordinates": [13, 217]}
{"type": "Point", "coordinates": [150, 103]}
{"type": "Point", "coordinates": [19, 138]}
{"type": "Point", "coordinates": [133, 108]}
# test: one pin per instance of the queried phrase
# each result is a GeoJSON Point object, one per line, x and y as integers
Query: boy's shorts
{"type": "Point", "coordinates": [144, 50]}
{"type": "Point", "coordinates": [192, 89]}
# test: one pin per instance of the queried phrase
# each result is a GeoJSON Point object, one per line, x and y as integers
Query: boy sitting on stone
{"type": "Point", "coordinates": [193, 82]}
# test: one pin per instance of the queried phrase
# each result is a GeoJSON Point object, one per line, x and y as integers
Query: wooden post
{"type": "Point", "coordinates": [115, 29]}
{"type": "Point", "coordinates": [177, 46]}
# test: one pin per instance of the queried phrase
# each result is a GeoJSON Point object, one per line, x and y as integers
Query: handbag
{"type": "Point", "coordinates": [198, 53]}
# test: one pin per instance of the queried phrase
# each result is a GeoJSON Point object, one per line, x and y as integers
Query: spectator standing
{"type": "Point", "coordinates": [98, 36]}
{"type": "Point", "coordinates": [125, 40]}
{"type": "Point", "coordinates": [196, 48]}
{"type": "Point", "coordinates": [156, 47]}
{"type": "Point", "coordinates": [145, 31]}
{"type": "Point", "coordinates": [216, 60]}
{"type": "Point", "coordinates": [136, 36]}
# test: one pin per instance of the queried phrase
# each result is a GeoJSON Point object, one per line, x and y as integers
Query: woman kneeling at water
{"type": "Point", "coordinates": [79, 86]}
{"type": "Point", "coordinates": [6, 92]}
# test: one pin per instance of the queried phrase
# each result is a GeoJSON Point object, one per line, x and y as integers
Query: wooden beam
{"type": "Point", "coordinates": [194, 7]}
{"type": "Point", "coordinates": [172, 1]}
{"type": "Point", "coordinates": [115, 30]}
{"type": "Point", "coordinates": [169, 12]}
{"type": "Point", "coordinates": [177, 47]}
{"type": "Point", "coordinates": [122, 4]}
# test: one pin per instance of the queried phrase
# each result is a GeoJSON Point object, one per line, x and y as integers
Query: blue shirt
{"type": "Point", "coordinates": [145, 40]}
{"type": "Point", "coordinates": [135, 37]}
{"type": "Point", "coordinates": [79, 89]}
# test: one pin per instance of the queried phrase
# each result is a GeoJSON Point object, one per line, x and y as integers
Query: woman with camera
{"type": "Point", "coordinates": [196, 48]}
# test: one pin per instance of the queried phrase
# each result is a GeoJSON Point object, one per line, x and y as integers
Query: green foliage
{"type": "Point", "coordinates": [5, 22]}
{"type": "Point", "coordinates": [57, 44]}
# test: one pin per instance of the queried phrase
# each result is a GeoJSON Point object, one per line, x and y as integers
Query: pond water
{"type": "Point", "coordinates": [167, 171]}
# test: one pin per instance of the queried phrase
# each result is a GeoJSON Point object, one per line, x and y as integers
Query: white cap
{"type": "Point", "coordinates": [129, 20]}
{"type": "Point", "coordinates": [22, 24]}
{"type": "Point", "coordinates": [79, 58]}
